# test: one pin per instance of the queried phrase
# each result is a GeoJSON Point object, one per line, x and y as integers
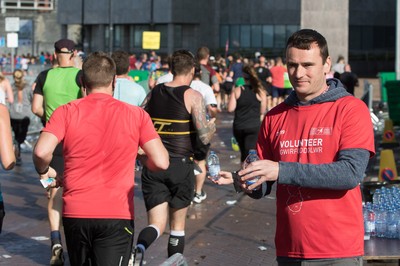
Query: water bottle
{"type": "Point", "coordinates": [380, 222]}
{"type": "Point", "coordinates": [391, 225]}
{"type": "Point", "coordinates": [213, 165]}
{"type": "Point", "coordinates": [252, 157]}
{"type": "Point", "coordinates": [369, 221]}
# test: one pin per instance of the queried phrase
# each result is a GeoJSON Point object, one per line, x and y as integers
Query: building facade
{"type": "Point", "coordinates": [363, 31]}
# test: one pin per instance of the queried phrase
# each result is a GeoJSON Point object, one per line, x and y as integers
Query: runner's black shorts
{"type": "Point", "coordinates": [174, 185]}
{"type": "Point", "coordinates": [103, 241]}
{"type": "Point", "coordinates": [200, 150]}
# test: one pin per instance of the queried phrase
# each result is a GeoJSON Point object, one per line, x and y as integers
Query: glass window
{"type": "Point", "coordinates": [256, 40]}
{"type": "Point", "coordinates": [138, 35]}
{"type": "Point", "coordinates": [131, 36]}
{"type": "Point", "coordinates": [279, 36]}
{"type": "Point", "coordinates": [178, 36]}
{"type": "Point", "coordinates": [367, 37]}
{"type": "Point", "coordinates": [245, 36]}
{"type": "Point", "coordinates": [224, 35]}
{"type": "Point", "coordinates": [290, 29]}
{"type": "Point", "coordinates": [384, 37]}
{"type": "Point", "coordinates": [163, 29]}
{"type": "Point", "coordinates": [118, 36]}
{"type": "Point", "coordinates": [107, 37]}
{"type": "Point", "coordinates": [355, 36]}
{"type": "Point", "coordinates": [268, 36]}
{"type": "Point", "coordinates": [234, 34]}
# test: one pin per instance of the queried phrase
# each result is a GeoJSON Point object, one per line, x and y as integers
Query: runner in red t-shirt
{"type": "Point", "coordinates": [101, 137]}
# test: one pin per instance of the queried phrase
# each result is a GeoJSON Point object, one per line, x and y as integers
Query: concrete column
{"type": "Point", "coordinates": [331, 19]}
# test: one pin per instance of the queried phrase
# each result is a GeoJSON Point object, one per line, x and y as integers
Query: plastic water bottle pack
{"type": "Point", "coordinates": [382, 217]}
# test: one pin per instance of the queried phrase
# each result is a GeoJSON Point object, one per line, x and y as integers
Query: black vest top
{"type": "Point", "coordinates": [247, 112]}
{"type": "Point", "coordinates": [171, 119]}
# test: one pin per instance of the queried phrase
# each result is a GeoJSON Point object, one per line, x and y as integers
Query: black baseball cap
{"type": "Point", "coordinates": [65, 46]}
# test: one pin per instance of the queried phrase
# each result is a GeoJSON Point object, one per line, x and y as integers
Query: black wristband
{"type": "Point", "coordinates": [236, 182]}
{"type": "Point", "coordinates": [43, 172]}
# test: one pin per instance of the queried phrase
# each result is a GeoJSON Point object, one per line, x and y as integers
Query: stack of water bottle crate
{"type": "Point", "coordinates": [382, 215]}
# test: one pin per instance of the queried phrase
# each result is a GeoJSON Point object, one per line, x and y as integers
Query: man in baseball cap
{"type": "Point", "coordinates": [64, 46]}
{"type": "Point", "coordinates": [55, 87]}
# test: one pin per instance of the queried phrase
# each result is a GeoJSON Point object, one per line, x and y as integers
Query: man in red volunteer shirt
{"type": "Point", "coordinates": [315, 146]}
{"type": "Point", "coordinates": [101, 137]}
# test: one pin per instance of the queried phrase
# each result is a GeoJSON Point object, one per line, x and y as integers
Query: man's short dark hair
{"type": "Point", "coordinates": [303, 39]}
{"type": "Point", "coordinates": [121, 59]}
{"type": "Point", "coordinates": [98, 70]}
{"type": "Point", "coordinates": [182, 62]}
{"type": "Point", "coordinates": [203, 53]}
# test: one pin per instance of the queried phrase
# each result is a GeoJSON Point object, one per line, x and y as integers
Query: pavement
{"type": "Point", "coordinates": [225, 229]}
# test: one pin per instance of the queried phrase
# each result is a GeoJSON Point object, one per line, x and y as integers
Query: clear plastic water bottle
{"type": "Point", "coordinates": [380, 222]}
{"type": "Point", "coordinates": [252, 157]}
{"type": "Point", "coordinates": [369, 221]}
{"type": "Point", "coordinates": [213, 165]}
{"type": "Point", "coordinates": [391, 224]}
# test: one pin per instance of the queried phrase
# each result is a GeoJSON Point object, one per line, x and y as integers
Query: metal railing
{"type": "Point", "coordinates": [43, 5]}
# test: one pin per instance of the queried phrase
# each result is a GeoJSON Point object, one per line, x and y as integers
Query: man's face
{"type": "Point", "coordinates": [307, 71]}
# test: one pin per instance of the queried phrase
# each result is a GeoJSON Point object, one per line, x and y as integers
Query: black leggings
{"type": "Point", "coordinates": [246, 139]}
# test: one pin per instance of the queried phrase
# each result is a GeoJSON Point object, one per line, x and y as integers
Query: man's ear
{"type": "Point", "coordinates": [113, 83]}
{"type": "Point", "coordinates": [327, 65]}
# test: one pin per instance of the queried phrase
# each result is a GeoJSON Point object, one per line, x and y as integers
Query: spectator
{"type": "Point", "coordinates": [349, 79]}
{"type": "Point", "coordinates": [339, 66]}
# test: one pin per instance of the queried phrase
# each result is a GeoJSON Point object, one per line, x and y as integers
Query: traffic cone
{"type": "Point", "coordinates": [389, 138]}
{"type": "Point", "coordinates": [387, 166]}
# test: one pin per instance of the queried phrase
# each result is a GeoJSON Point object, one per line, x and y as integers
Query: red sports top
{"type": "Point", "coordinates": [277, 73]}
{"type": "Point", "coordinates": [100, 137]}
{"type": "Point", "coordinates": [317, 223]}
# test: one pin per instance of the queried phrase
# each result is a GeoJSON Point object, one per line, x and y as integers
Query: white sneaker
{"type": "Point", "coordinates": [198, 198]}
{"type": "Point", "coordinates": [138, 257]}
{"type": "Point", "coordinates": [57, 256]}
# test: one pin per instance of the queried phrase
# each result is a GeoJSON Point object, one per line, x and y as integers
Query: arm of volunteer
{"type": "Point", "coordinates": [6, 144]}
{"type": "Point", "coordinates": [205, 129]}
{"type": "Point", "coordinates": [346, 173]}
{"type": "Point", "coordinates": [157, 157]}
{"type": "Point", "coordinates": [43, 151]}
